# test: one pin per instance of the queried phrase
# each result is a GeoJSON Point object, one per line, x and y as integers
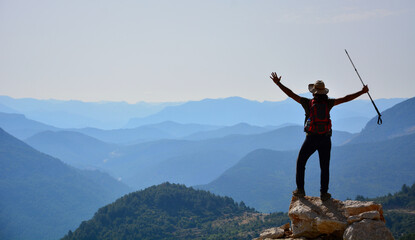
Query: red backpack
{"type": "Point", "coordinates": [318, 121]}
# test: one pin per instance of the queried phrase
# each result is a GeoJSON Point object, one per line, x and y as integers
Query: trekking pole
{"type": "Point", "coordinates": [379, 115]}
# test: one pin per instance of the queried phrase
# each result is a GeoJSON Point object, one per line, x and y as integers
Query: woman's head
{"type": "Point", "coordinates": [318, 88]}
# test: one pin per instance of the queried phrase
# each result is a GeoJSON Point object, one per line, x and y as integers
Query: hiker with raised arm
{"type": "Point", "coordinates": [317, 126]}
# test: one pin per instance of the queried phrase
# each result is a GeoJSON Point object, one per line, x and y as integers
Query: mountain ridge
{"type": "Point", "coordinates": [74, 148]}
{"type": "Point", "coordinates": [232, 110]}
{"type": "Point", "coordinates": [21, 127]}
{"type": "Point", "coordinates": [78, 114]}
{"type": "Point", "coordinates": [271, 174]}
{"type": "Point", "coordinates": [43, 197]}
{"type": "Point", "coordinates": [149, 132]}
{"type": "Point", "coordinates": [398, 120]}
{"type": "Point", "coordinates": [145, 164]}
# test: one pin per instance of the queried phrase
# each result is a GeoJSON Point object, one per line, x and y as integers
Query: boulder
{"type": "Point", "coordinates": [313, 219]}
{"type": "Point", "coordinates": [367, 229]}
{"type": "Point", "coordinates": [276, 232]}
{"type": "Point", "coordinates": [374, 215]}
{"type": "Point", "coordinates": [272, 233]}
{"type": "Point", "coordinates": [352, 208]}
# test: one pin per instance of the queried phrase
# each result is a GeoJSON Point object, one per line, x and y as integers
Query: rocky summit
{"type": "Point", "coordinates": [313, 219]}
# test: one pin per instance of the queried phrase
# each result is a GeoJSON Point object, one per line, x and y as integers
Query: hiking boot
{"type": "Point", "coordinates": [299, 193]}
{"type": "Point", "coordinates": [325, 196]}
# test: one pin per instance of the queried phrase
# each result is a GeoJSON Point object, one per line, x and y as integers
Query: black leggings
{"type": "Point", "coordinates": [322, 144]}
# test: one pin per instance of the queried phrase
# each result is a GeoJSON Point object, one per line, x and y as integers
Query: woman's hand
{"type": "Point", "coordinates": [365, 89]}
{"type": "Point", "coordinates": [275, 77]}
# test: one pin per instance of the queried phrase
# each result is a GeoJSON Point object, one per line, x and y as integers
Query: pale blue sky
{"type": "Point", "coordinates": [169, 50]}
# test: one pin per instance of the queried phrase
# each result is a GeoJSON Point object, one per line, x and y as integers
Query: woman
{"type": "Point", "coordinates": [318, 131]}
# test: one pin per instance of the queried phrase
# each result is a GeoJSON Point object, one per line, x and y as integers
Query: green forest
{"type": "Point", "coordinates": [172, 211]}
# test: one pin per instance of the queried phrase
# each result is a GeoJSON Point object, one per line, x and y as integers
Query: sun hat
{"type": "Point", "coordinates": [318, 88]}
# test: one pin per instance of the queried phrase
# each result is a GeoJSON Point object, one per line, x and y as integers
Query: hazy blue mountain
{"type": "Point", "coordinates": [73, 148]}
{"type": "Point", "coordinates": [354, 115]}
{"type": "Point", "coordinates": [41, 197]}
{"type": "Point", "coordinates": [240, 128]}
{"type": "Point", "coordinates": [21, 127]}
{"type": "Point", "coordinates": [181, 161]}
{"type": "Point", "coordinates": [363, 108]}
{"type": "Point", "coordinates": [285, 138]}
{"type": "Point", "coordinates": [227, 111]}
{"type": "Point", "coordinates": [192, 168]}
{"type": "Point", "coordinates": [397, 121]}
{"type": "Point", "coordinates": [350, 124]}
{"type": "Point", "coordinates": [233, 110]}
{"type": "Point", "coordinates": [5, 109]}
{"type": "Point", "coordinates": [151, 163]}
{"type": "Point", "coordinates": [78, 114]}
{"type": "Point", "coordinates": [178, 130]}
{"type": "Point", "coordinates": [220, 112]}
{"type": "Point", "coordinates": [264, 179]}
{"type": "Point", "coordinates": [151, 132]}
{"type": "Point", "coordinates": [125, 136]}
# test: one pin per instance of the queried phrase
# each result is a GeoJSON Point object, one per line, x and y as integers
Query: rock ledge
{"type": "Point", "coordinates": [331, 220]}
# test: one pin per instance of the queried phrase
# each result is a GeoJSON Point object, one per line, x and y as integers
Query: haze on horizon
{"type": "Point", "coordinates": [163, 51]}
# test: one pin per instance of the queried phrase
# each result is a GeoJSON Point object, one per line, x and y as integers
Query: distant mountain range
{"type": "Point", "coordinates": [163, 151]}
{"type": "Point", "coordinates": [350, 116]}
{"type": "Point", "coordinates": [74, 148]}
{"type": "Point", "coordinates": [150, 132]}
{"type": "Point", "coordinates": [240, 128]}
{"type": "Point", "coordinates": [5, 109]}
{"type": "Point", "coordinates": [78, 114]}
{"type": "Point", "coordinates": [397, 121]}
{"type": "Point", "coordinates": [181, 161]}
{"type": "Point", "coordinates": [230, 111]}
{"type": "Point", "coordinates": [41, 197]}
{"type": "Point", "coordinates": [21, 127]}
